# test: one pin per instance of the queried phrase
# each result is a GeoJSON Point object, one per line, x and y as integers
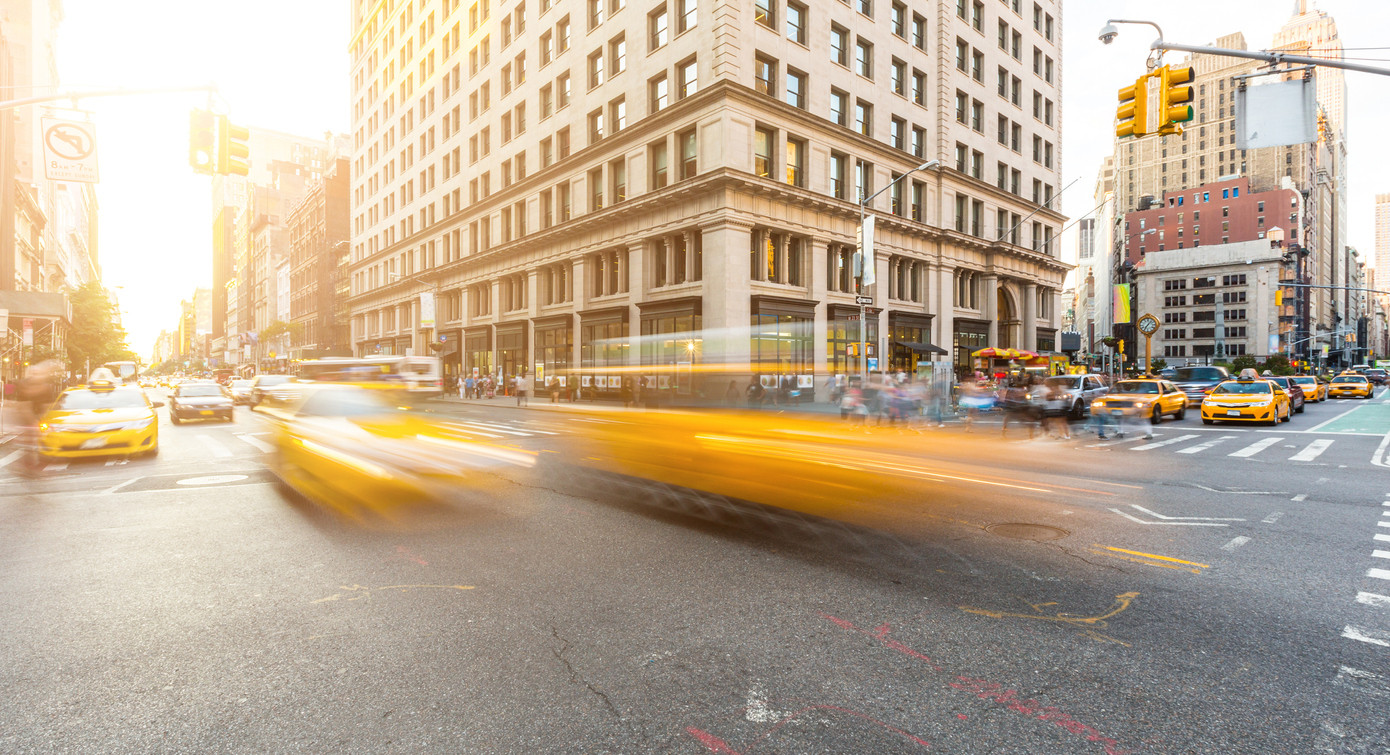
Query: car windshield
{"type": "Point", "coordinates": [241, 384]}
{"type": "Point", "coordinates": [1061, 382]}
{"type": "Point", "coordinates": [265, 380]}
{"type": "Point", "coordinates": [1136, 386]}
{"type": "Point", "coordinates": [84, 400]}
{"type": "Point", "coordinates": [348, 403]}
{"type": "Point", "coordinates": [199, 391]}
{"type": "Point", "coordinates": [1349, 379]}
{"type": "Point", "coordinates": [1245, 389]}
{"type": "Point", "coordinates": [1199, 373]}
{"type": "Point", "coordinates": [1305, 380]}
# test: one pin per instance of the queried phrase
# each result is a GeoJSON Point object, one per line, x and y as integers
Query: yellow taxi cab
{"type": "Point", "coordinates": [1246, 398]}
{"type": "Point", "coordinates": [1144, 397]}
{"type": "Point", "coordinates": [100, 419]}
{"type": "Point", "coordinates": [1314, 388]}
{"type": "Point", "coordinates": [1350, 385]}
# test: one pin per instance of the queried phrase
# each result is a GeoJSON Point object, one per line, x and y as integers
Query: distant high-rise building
{"type": "Point", "coordinates": [1382, 247]}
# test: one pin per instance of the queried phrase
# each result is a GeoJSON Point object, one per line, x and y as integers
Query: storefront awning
{"type": "Point", "coordinates": [923, 348]}
{"type": "Point", "coordinates": [993, 353]}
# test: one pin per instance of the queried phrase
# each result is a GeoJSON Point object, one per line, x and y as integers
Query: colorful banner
{"type": "Point", "coordinates": [1119, 303]}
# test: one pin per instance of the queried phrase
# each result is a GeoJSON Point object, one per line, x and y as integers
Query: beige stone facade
{"type": "Point", "coordinates": [597, 183]}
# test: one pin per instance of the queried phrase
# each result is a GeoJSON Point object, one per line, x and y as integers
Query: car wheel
{"type": "Point", "coordinates": [1182, 412]}
{"type": "Point", "coordinates": [1274, 418]}
{"type": "Point", "coordinates": [1288, 414]}
{"type": "Point", "coordinates": [174, 418]}
{"type": "Point", "coordinates": [1157, 415]}
{"type": "Point", "coordinates": [1299, 410]}
{"type": "Point", "coordinates": [1206, 421]}
{"type": "Point", "coordinates": [1078, 410]}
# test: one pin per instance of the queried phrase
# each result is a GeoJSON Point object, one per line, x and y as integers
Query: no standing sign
{"type": "Point", "coordinates": [69, 150]}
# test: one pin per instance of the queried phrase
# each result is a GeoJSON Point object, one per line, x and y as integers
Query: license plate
{"type": "Point", "coordinates": [93, 443]}
{"type": "Point", "coordinates": [1117, 411]}
{"type": "Point", "coordinates": [1233, 413]}
{"type": "Point", "coordinates": [207, 412]}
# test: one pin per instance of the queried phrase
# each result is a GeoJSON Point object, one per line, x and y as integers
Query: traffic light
{"type": "Point", "coordinates": [232, 148]}
{"type": "Point", "coordinates": [1134, 109]}
{"type": "Point", "coordinates": [1172, 98]}
{"type": "Point", "coordinates": [202, 141]}
{"type": "Point", "coordinates": [1279, 298]}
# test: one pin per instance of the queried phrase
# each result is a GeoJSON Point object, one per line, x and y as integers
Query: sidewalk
{"type": "Point", "coordinates": [543, 403]}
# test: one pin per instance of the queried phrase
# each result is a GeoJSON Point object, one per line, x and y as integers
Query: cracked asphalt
{"type": "Point", "coordinates": [558, 610]}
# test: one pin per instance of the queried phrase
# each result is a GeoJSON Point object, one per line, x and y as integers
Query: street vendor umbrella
{"type": "Point", "coordinates": [993, 353]}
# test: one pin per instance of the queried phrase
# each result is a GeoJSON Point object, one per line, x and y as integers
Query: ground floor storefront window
{"type": "Point", "coordinates": [781, 345]}
{"type": "Point", "coordinates": [511, 350]}
{"type": "Point", "coordinates": [603, 351]}
{"type": "Point", "coordinates": [554, 349]}
{"type": "Point", "coordinates": [841, 334]}
{"type": "Point", "coordinates": [970, 336]}
{"type": "Point", "coordinates": [1047, 340]}
{"type": "Point", "coordinates": [907, 334]}
{"type": "Point", "coordinates": [477, 351]}
{"type": "Point", "coordinates": [672, 344]}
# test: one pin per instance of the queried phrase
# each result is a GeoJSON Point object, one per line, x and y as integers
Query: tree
{"type": "Point", "coordinates": [95, 338]}
{"type": "Point", "coordinates": [1279, 365]}
{"type": "Point", "coordinates": [281, 328]}
{"type": "Point", "coordinates": [1243, 362]}
{"type": "Point", "coordinates": [1158, 364]}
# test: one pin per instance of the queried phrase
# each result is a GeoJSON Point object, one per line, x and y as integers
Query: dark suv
{"type": "Point", "coordinates": [1197, 381]}
{"type": "Point", "coordinates": [1375, 375]}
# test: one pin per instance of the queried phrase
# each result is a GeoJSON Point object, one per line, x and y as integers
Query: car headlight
{"type": "Point", "coordinates": [1265, 402]}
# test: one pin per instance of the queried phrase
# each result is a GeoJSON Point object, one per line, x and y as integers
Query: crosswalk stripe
{"type": "Point", "coordinates": [1162, 443]}
{"type": "Point", "coordinates": [1313, 451]}
{"type": "Point", "coordinates": [495, 428]}
{"type": "Point", "coordinates": [5, 462]}
{"type": "Point", "coordinates": [1371, 599]}
{"type": "Point", "coordinates": [1380, 554]}
{"type": "Point", "coordinates": [1383, 537]}
{"type": "Point", "coordinates": [1200, 447]}
{"type": "Point", "coordinates": [1378, 573]}
{"type": "Point", "coordinates": [56, 466]}
{"type": "Point", "coordinates": [1255, 447]}
{"type": "Point", "coordinates": [257, 443]}
{"type": "Point", "coordinates": [215, 448]}
{"type": "Point", "coordinates": [1375, 638]}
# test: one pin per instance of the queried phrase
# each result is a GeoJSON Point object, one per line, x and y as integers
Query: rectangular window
{"type": "Point", "coordinates": [919, 87]}
{"type": "Point", "coordinates": [617, 54]}
{"type": "Point", "coordinates": [839, 107]}
{"type": "Point", "coordinates": [765, 13]}
{"type": "Point", "coordinates": [658, 158]}
{"type": "Point", "coordinates": [977, 116]}
{"type": "Point", "coordinates": [837, 175]}
{"type": "Point", "coordinates": [686, 15]}
{"type": "Point", "coordinates": [863, 117]}
{"type": "Point", "coordinates": [595, 68]}
{"type": "Point", "coordinates": [898, 77]}
{"type": "Point", "coordinates": [596, 190]}
{"type": "Point", "coordinates": [617, 180]}
{"type": "Point", "coordinates": [897, 133]}
{"type": "Point", "coordinates": [796, 162]}
{"type": "Point", "coordinates": [863, 58]}
{"type": "Point", "coordinates": [919, 32]}
{"type": "Point", "coordinates": [839, 45]}
{"type": "Point", "coordinates": [595, 125]}
{"type": "Point", "coordinates": [617, 114]}
{"type": "Point", "coordinates": [763, 141]}
{"type": "Point", "coordinates": [659, 89]}
{"type": "Point", "coordinates": [796, 23]}
{"type": "Point", "coordinates": [658, 30]}
{"type": "Point", "coordinates": [863, 179]}
{"type": "Point", "coordinates": [688, 80]}
{"type": "Point", "coordinates": [796, 89]}
{"type": "Point", "coordinates": [898, 20]}
{"type": "Point", "coordinates": [687, 145]}
{"type": "Point", "coordinates": [919, 140]}
{"type": "Point", "coordinates": [765, 75]}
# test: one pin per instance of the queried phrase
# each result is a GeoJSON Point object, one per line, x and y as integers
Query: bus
{"type": "Point", "coordinates": [416, 376]}
{"type": "Point", "coordinates": [126, 372]}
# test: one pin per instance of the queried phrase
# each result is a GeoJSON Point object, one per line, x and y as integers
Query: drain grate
{"type": "Point", "coordinates": [1019, 531]}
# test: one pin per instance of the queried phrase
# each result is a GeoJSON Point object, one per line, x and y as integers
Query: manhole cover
{"type": "Point", "coordinates": [1027, 531]}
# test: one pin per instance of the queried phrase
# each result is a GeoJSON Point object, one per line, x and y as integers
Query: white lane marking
{"type": "Point", "coordinates": [5, 462]}
{"type": "Point", "coordinates": [1255, 447]}
{"type": "Point", "coordinates": [1375, 638]}
{"type": "Point", "coordinates": [1371, 599]}
{"type": "Point", "coordinates": [1315, 428]}
{"type": "Point", "coordinates": [1378, 573]}
{"type": "Point", "coordinates": [1378, 458]}
{"type": "Point", "coordinates": [1313, 450]}
{"type": "Point", "coordinates": [116, 487]}
{"type": "Point", "coordinates": [257, 443]}
{"type": "Point", "coordinates": [1157, 515]}
{"type": "Point", "coordinates": [1272, 518]}
{"type": "Point", "coordinates": [1300, 497]}
{"type": "Point", "coordinates": [1386, 538]}
{"type": "Point", "coordinates": [215, 448]}
{"type": "Point", "coordinates": [217, 479]}
{"type": "Point", "coordinates": [1380, 554]}
{"type": "Point", "coordinates": [505, 428]}
{"type": "Point", "coordinates": [1162, 443]}
{"type": "Point", "coordinates": [56, 466]}
{"type": "Point", "coordinates": [1235, 543]}
{"type": "Point", "coordinates": [1361, 681]}
{"type": "Point", "coordinates": [1200, 447]}
{"type": "Point", "coordinates": [1383, 524]}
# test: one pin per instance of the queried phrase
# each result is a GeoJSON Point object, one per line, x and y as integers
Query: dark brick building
{"type": "Point", "coordinates": [1223, 212]}
{"type": "Point", "coordinates": [318, 246]}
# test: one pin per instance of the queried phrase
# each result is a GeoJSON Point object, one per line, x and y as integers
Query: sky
{"type": "Point", "coordinates": [283, 65]}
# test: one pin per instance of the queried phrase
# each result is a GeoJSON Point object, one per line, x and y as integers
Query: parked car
{"type": "Point", "coordinates": [200, 400]}
{"type": "Point", "coordinates": [262, 387]}
{"type": "Point", "coordinates": [1069, 395]}
{"type": "Point", "coordinates": [1197, 381]}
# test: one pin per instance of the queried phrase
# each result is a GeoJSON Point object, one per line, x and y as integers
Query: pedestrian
{"type": "Point", "coordinates": [1017, 408]}
{"type": "Point", "coordinates": [37, 391]}
{"type": "Point", "coordinates": [731, 394]}
{"type": "Point", "coordinates": [1056, 397]}
{"type": "Point", "coordinates": [523, 386]}
{"type": "Point", "coordinates": [468, 387]}
{"type": "Point", "coordinates": [754, 393]}
{"type": "Point", "coordinates": [554, 390]}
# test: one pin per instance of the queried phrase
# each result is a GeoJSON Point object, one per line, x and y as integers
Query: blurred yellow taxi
{"type": "Point", "coordinates": [353, 450]}
{"type": "Point", "coordinates": [100, 419]}
{"type": "Point", "coordinates": [1350, 385]}
{"type": "Point", "coordinates": [1246, 399]}
{"type": "Point", "coordinates": [1144, 397]}
{"type": "Point", "coordinates": [1314, 389]}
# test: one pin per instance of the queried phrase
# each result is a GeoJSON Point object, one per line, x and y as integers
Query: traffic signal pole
{"type": "Point", "coordinates": [94, 93]}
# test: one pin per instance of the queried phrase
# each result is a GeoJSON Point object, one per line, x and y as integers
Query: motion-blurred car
{"type": "Point", "coordinates": [264, 386]}
{"type": "Point", "coordinates": [354, 450]}
{"type": "Point", "coordinates": [1149, 398]}
{"type": "Point", "coordinates": [200, 400]}
{"type": "Point", "coordinates": [1350, 385]}
{"type": "Point", "coordinates": [1314, 387]}
{"type": "Point", "coordinates": [1197, 381]}
{"type": "Point", "coordinates": [1375, 375]}
{"type": "Point", "coordinates": [240, 388]}
{"type": "Point", "coordinates": [100, 419]}
{"type": "Point", "coordinates": [1297, 398]}
{"type": "Point", "coordinates": [1248, 398]}
{"type": "Point", "coordinates": [1069, 395]}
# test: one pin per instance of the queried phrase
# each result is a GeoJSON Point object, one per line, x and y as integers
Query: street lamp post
{"type": "Point", "coordinates": [866, 259]}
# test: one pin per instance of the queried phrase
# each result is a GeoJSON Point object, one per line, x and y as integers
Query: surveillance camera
{"type": "Point", "coordinates": [1108, 33]}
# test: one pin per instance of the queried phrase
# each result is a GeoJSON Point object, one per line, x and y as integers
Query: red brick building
{"type": "Point", "coordinates": [1222, 212]}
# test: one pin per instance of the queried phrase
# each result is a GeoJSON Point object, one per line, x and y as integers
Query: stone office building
{"type": "Point", "coordinates": [599, 183]}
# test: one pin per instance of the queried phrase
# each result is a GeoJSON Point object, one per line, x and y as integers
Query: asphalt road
{"type": "Point", "coordinates": [1212, 590]}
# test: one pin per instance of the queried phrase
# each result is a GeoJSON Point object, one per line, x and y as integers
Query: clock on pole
{"type": "Point", "coordinates": [1148, 325]}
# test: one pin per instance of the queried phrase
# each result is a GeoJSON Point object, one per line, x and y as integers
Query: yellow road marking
{"type": "Point", "coordinates": [1152, 555]}
{"type": "Point", "coordinates": [1086, 623]}
{"type": "Point", "coordinates": [1147, 563]}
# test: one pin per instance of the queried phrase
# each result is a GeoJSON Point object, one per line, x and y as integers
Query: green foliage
{"type": "Point", "coordinates": [279, 328]}
{"type": "Point", "coordinates": [1278, 364]}
{"type": "Point", "coordinates": [1158, 364]}
{"type": "Point", "coordinates": [95, 338]}
{"type": "Point", "coordinates": [1242, 362]}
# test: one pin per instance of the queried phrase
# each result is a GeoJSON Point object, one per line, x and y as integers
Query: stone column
{"type": "Point", "coordinates": [726, 291]}
{"type": "Point", "coordinates": [819, 252]}
{"type": "Point", "coordinates": [532, 309]}
{"type": "Point", "coordinates": [636, 287]}
{"type": "Point", "coordinates": [688, 238]}
{"type": "Point", "coordinates": [990, 310]}
{"type": "Point", "coordinates": [1029, 341]}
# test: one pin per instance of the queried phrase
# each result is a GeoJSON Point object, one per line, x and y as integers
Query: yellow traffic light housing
{"type": "Point", "coordinates": [1279, 298]}
{"type": "Point", "coordinates": [202, 141]}
{"type": "Point", "coordinates": [1173, 94]}
{"type": "Point", "coordinates": [233, 148]}
{"type": "Point", "coordinates": [1133, 112]}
